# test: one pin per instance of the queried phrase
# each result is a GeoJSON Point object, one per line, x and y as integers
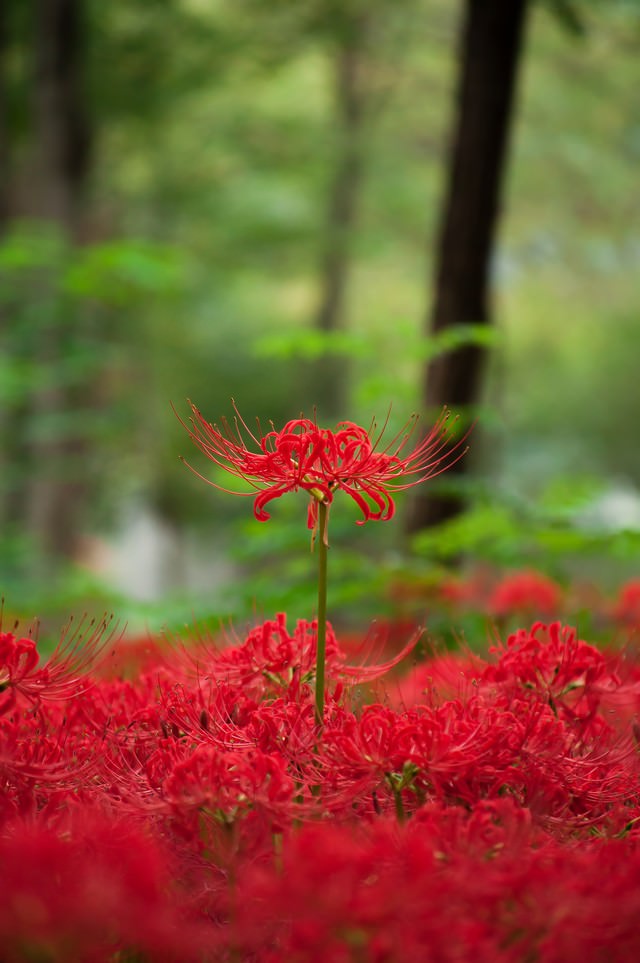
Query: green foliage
{"type": "Point", "coordinates": [215, 138]}
{"type": "Point", "coordinates": [312, 345]}
{"type": "Point", "coordinates": [554, 533]}
{"type": "Point", "coordinates": [123, 273]}
{"type": "Point", "coordinates": [112, 273]}
{"type": "Point", "coordinates": [568, 15]}
{"type": "Point", "coordinates": [63, 361]}
{"type": "Point", "coordinates": [276, 569]}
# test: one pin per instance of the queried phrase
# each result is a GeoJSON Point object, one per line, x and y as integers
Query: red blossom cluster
{"type": "Point", "coordinates": [194, 810]}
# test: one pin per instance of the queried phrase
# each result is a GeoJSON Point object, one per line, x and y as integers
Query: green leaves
{"type": "Point", "coordinates": [568, 15]}
{"type": "Point", "coordinates": [312, 344]}
{"type": "Point", "coordinates": [120, 272]}
{"type": "Point", "coordinates": [114, 273]}
{"type": "Point", "coordinates": [563, 523]}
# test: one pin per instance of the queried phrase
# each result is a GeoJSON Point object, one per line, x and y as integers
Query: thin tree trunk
{"type": "Point", "coordinates": [492, 42]}
{"type": "Point", "coordinates": [329, 378]}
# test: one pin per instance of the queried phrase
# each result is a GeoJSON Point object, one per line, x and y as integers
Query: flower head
{"type": "Point", "coordinates": [525, 591]}
{"type": "Point", "coordinates": [63, 676]}
{"type": "Point", "coordinates": [323, 461]}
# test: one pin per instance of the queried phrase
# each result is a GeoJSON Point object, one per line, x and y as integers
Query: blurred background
{"type": "Point", "coordinates": [358, 206]}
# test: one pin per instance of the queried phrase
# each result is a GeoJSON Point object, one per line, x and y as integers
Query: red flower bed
{"type": "Point", "coordinates": [186, 805]}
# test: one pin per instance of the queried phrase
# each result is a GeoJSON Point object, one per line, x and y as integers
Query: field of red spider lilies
{"type": "Point", "coordinates": [164, 802]}
{"type": "Point", "coordinates": [268, 800]}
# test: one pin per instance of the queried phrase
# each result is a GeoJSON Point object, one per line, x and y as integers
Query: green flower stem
{"type": "Point", "coordinates": [322, 610]}
{"type": "Point", "coordinates": [397, 797]}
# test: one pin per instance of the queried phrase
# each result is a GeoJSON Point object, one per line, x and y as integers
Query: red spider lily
{"type": "Point", "coordinates": [525, 591]}
{"type": "Point", "coordinates": [450, 675]}
{"type": "Point", "coordinates": [627, 605]}
{"type": "Point", "coordinates": [455, 886]}
{"type": "Point", "coordinates": [227, 784]}
{"type": "Point", "coordinates": [196, 811]}
{"type": "Point", "coordinates": [274, 660]}
{"type": "Point", "coordinates": [62, 676]}
{"type": "Point", "coordinates": [93, 890]}
{"type": "Point", "coordinates": [561, 668]}
{"type": "Point", "coordinates": [321, 461]}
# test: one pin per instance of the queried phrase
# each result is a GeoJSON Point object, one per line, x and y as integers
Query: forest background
{"type": "Point", "coordinates": [245, 200]}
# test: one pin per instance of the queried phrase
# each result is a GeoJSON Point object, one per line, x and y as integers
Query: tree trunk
{"type": "Point", "coordinates": [61, 123]}
{"type": "Point", "coordinates": [4, 121]}
{"type": "Point", "coordinates": [8, 488]}
{"type": "Point", "coordinates": [492, 41]}
{"type": "Point", "coordinates": [62, 154]}
{"type": "Point", "coordinates": [329, 377]}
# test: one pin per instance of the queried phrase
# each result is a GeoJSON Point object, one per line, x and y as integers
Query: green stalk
{"type": "Point", "coordinates": [322, 610]}
{"type": "Point", "coordinates": [397, 797]}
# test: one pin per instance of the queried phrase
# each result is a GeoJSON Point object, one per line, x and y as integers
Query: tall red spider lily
{"type": "Point", "coordinates": [322, 461]}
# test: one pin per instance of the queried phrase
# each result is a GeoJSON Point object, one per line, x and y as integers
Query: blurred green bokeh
{"type": "Point", "coordinates": [215, 132]}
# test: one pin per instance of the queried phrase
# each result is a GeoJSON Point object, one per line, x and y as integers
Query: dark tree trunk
{"type": "Point", "coordinates": [61, 122]}
{"type": "Point", "coordinates": [8, 489]}
{"type": "Point", "coordinates": [330, 374]}
{"type": "Point", "coordinates": [4, 121]}
{"type": "Point", "coordinates": [61, 162]}
{"type": "Point", "coordinates": [492, 42]}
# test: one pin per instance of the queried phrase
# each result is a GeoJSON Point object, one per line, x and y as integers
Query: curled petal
{"type": "Point", "coordinates": [262, 499]}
